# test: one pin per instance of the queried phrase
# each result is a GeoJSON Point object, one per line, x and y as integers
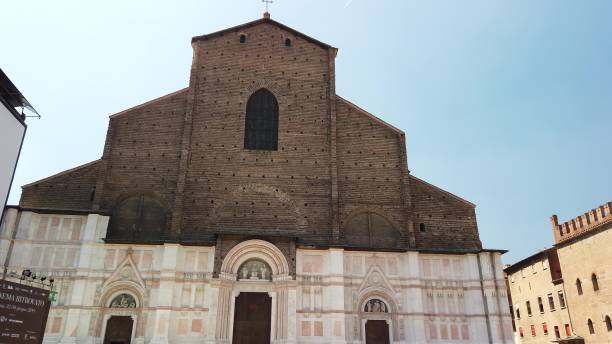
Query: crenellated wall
{"type": "Point", "coordinates": [585, 256]}
{"type": "Point", "coordinates": [584, 223]}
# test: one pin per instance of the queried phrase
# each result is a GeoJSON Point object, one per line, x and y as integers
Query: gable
{"type": "Point", "coordinates": [375, 279]}
{"type": "Point", "coordinates": [251, 24]}
{"type": "Point", "coordinates": [126, 273]}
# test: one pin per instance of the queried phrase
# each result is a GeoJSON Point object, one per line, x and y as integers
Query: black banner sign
{"type": "Point", "coordinates": [23, 313]}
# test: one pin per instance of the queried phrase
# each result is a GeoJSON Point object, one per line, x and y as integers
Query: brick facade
{"type": "Point", "coordinates": [334, 160]}
{"type": "Point", "coordinates": [178, 216]}
{"type": "Point", "coordinates": [72, 189]}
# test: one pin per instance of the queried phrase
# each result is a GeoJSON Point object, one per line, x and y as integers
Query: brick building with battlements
{"type": "Point", "coordinates": [257, 205]}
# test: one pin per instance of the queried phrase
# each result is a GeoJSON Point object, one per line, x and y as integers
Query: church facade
{"type": "Point", "coordinates": [256, 206]}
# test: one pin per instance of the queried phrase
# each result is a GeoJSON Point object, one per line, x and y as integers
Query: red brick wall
{"type": "Point", "coordinates": [187, 150]}
{"type": "Point", "coordinates": [142, 151]}
{"type": "Point", "coordinates": [71, 189]}
{"type": "Point", "coordinates": [369, 160]}
{"type": "Point", "coordinates": [450, 223]}
{"type": "Point", "coordinates": [275, 192]}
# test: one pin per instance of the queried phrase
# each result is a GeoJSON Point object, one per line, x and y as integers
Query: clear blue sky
{"type": "Point", "coordinates": [505, 103]}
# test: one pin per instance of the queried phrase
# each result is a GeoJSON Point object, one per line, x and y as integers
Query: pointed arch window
{"type": "Point", "coordinates": [595, 282]}
{"type": "Point", "coordinates": [261, 121]}
{"type": "Point", "coordinates": [608, 323]}
{"type": "Point", "coordinates": [591, 327]}
{"type": "Point", "coordinates": [578, 286]}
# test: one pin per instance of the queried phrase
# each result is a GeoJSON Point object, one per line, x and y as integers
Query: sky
{"type": "Point", "coordinates": [507, 104]}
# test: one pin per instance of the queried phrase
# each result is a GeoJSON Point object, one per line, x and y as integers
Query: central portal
{"type": "Point", "coordinates": [252, 316]}
{"type": "Point", "coordinates": [118, 330]}
{"type": "Point", "coordinates": [377, 332]}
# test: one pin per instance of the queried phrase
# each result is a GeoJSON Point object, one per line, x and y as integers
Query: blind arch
{"type": "Point", "coordinates": [369, 229]}
{"type": "Point", "coordinates": [137, 218]}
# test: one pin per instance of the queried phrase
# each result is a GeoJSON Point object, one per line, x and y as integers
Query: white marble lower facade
{"type": "Point", "coordinates": [173, 297]}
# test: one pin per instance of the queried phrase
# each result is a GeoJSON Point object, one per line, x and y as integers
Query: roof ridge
{"type": "Point", "coordinates": [149, 102]}
{"type": "Point", "coordinates": [444, 191]}
{"type": "Point", "coordinates": [61, 173]}
{"type": "Point", "coordinates": [377, 119]}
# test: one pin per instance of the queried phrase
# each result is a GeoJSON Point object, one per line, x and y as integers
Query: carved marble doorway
{"type": "Point", "coordinates": [377, 332]}
{"type": "Point", "coordinates": [252, 318]}
{"type": "Point", "coordinates": [119, 330]}
{"type": "Point", "coordinates": [259, 270]}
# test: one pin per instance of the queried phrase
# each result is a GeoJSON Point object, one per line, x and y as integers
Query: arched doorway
{"type": "Point", "coordinates": [252, 318]}
{"type": "Point", "coordinates": [377, 332]}
{"type": "Point", "coordinates": [254, 295]}
{"type": "Point", "coordinates": [119, 330]}
{"type": "Point", "coordinates": [119, 322]}
{"type": "Point", "coordinates": [253, 310]}
{"type": "Point", "coordinates": [376, 320]}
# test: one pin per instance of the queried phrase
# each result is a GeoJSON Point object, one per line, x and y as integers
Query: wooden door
{"type": "Point", "coordinates": [252, 316]}
{"type": "Point", "coordinates": [377, 332]}
{"type": "Point", "coordinates": [118, 330]}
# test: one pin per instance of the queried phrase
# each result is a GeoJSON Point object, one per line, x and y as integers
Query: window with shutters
{"type": "Point", "coordinates": [561, 299]}
{"type": "Point", "coordinates": [551, 302]}
{"type": "Point", "coordinates": [261, 121]}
